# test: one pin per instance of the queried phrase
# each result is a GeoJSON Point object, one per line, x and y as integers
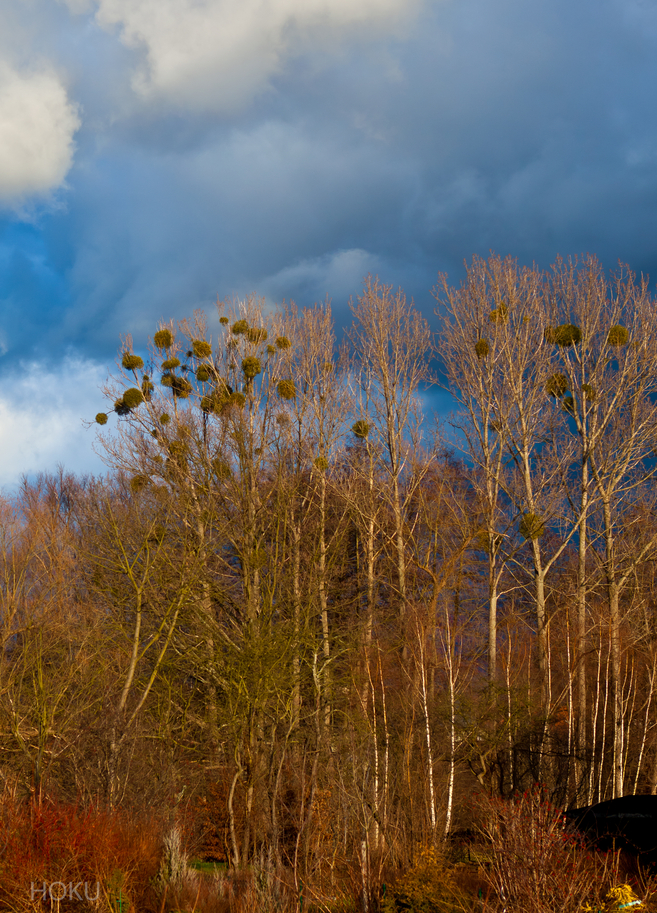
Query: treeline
{"type": "Point", "coordinates": [304, 615]}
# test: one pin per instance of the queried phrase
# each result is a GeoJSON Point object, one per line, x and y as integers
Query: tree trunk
{"type": "Point", "coordinates": [323, 603]}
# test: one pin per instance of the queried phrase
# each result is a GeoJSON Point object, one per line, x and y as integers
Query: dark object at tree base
{"type": "Point", "coordinates": [628, 823]}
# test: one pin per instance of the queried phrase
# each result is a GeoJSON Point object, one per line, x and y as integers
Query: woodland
{"type": "Point", "coordinates": [312, 638]}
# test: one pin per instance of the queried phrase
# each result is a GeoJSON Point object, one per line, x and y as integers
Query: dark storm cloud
{"type": "Point", "coordinates": [255, 207]}
{"type": "Point", "coordinates": [526, 128]}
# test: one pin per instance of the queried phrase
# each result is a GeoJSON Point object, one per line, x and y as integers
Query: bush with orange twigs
{"type": "Point", "coordinates": [110, 852]}
{"type": "Point", "coordinates": [536, 865]}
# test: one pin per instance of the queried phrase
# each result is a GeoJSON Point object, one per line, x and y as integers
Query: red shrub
{"type": "Point", "coordinates": [535, 864]}
{"type": "Point", "coordinates": [66, 844]}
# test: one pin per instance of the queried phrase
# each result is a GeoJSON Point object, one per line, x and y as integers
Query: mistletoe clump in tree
{"type": "Point", "coordinates": [214, 405]}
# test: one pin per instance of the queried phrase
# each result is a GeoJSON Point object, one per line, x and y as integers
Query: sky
{"type": "Point", "coordinates": [158, 154]}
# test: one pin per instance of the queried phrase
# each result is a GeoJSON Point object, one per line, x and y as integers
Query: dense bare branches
{"type": "Point", "coordinates": [294, 603]}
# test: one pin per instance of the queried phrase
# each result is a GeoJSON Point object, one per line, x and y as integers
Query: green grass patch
{"type": "Point", "coordinates": [208, 868]}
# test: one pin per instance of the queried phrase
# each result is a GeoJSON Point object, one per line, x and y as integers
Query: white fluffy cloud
{"type": "Point", "coordinates": [37, 125]}
{"type": "Point", "coordinates": [216, 54]}
{"type": "Point", "coordinates": [41, 418]}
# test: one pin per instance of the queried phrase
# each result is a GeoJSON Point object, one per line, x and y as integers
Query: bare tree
{"type": "Point", "coordinates": [471, 344]}
{"type": "Point", "coordinates": [144, 567]}
{"type": "Point", "coordinates": [49, 634]}
{"type": "Point", "coordinates": [603, 332]}
{"type": "Point", "coordinates": [393, 347]}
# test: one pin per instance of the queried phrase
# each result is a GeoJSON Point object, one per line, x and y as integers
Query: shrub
{"type": "Point", "coordinates": [536, 865]}
{"type": "Point", "coordinates": [556, 385]}
{"type": "Point", "coordinates": [177, 459]}
{"type": "Point", "coordinates": [531, 526]}
{"type": "Point", "coordinates": [201, 348]}
{"type": "Point", "coordinates": [251, 367]}
{"type": "Point", "coordinates": [215, 400]}
{"type": "Point", "coordinates": [568, 405]}
{"type": "Point", "coordinates": [286, 389]}
{"type": "Point", "coordinates": [235, 400]}
{"type": "Point", "coordinates": [65, 843]}
{"type": "Point", "coordinates": [499, 314]}
{"type": "Point", "coordinates": [174, 862]}
{"type": "Point", "coordinates": [163, 339]}
{"type": "Point", "coordinates": [198, 893]}
{"type": "Point", "coordinates": [256, 335]}
{"type": "Point", "coordinates": [567, 335]}
{"type": "Point", "coordinates": [428, 887]}
{"type": "Point", "coordinates": [486, 542]}
{"type": "Point", "coordinates": [180, 386]}
{"type": "Point", "coordinates": [617, 336]}
{"type": "Point", "coordinates": [178, 449]}
{"type": "Point", "coordinates": [132, 362]}
{"type": "Point", "coordinates": [133, 398]}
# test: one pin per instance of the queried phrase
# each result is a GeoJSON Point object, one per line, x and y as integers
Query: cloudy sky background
{"type": "Point", "coordinates": [156, 154]}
